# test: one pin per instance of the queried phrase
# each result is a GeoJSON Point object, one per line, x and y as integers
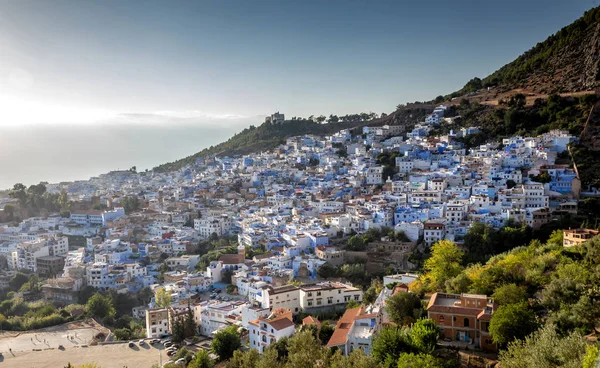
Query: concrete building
{"type": "Point", "coordinates": [578, 236]}
{"type": "Point", "coordinates": [157, 323]}
{"type": "Point", "coordinates": [50, 266]}
{"type": "Point", "coordinates": [265, 331]}
{"type": "Point", "coordinates": [463, 317]}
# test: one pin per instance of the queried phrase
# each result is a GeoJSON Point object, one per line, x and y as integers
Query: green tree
{"type": "Point", "coordinates": [100, 306]}
{"type": "Point", "coordinates": [281, 348]}
{"type": "Point", "coordinates": [326, 271]}
{"type": "Point", "coordinates": [247, 359]}
{"type": "Point", "coordinates": [545, 348]}
{"type": "Point", "coordinates": [325, 332]}
{"type": "Point", "coordinates": [10, 209]}
{"type": "Point", "coordinates": [559, 292]}
{"type": "Point", "coordinates": [177, 329]}
{"type": "Point", "coordinates": [268, 359]}
{"type": "Point", "coordinates": [411, 360]}
{"type": "Point", "coordinates": [202, 360]}
{"type": "Point", "coordinates": [122, 334]}
{"type": "Point", "coordinates": [358, 359]}
{"type": "Point", "coordinates": [162, 298]}
{"type": "Point", "coordinates": [189, 325]}
{"type": "Point", "coordinates": [510, 322]}
{"type": "Point", "coordinates": [444, 264]}
{"type": "Point", "coordinates": [303, 350]}
{"type": "Point", "coordinates": [225, 342]}
{"type": "Point", "coordinates": [590, 360]}
{"type": "Point", "coordinates": [404, 308]}
{"type": "Point", "coordinates": [373, 291]}
{"type": "Point", "coordinates": [130, 204]}
{"type": "Point", "coordinates": [356, 243]}
{"type": "Point", "coordinates": [509, 294]}
{"type": "Point", "coordinates": [17, 281]}
{"type": "Point", "coordinates": [389, 343]}
{"type": "Point", "coordinates": [424, 335]}
{"type": "Point", "coordinates": [556, 238]}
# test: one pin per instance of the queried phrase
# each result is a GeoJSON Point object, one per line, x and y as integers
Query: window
{"type": "Point", "coordinates": [442, 319]}
{"type": "Point", "coordinates": [466, 322]}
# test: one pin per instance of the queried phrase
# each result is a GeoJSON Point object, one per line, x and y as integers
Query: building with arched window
{"type": "Point", "coordinates": [463, 317]}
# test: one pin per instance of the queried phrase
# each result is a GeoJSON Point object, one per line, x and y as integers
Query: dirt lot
{"type": "Point", "coordinates": [39, 348]}
{"type": "Point", "coordinates": [69, 335]}
{"type": "Point", "coordinates": [105, 356]}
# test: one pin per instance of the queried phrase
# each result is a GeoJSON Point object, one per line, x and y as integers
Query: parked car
{"type": "Point", "coordinates": [141, 342]}
{"type": "Point", "coordinates": [168, 344]}
{"type": "Point", "coordinates": [171, 352]}
{"type": "Point", "coordinates": [180, 360]}
{"type": "Point", "coordinates": [218, 291]}
{"type": "Point", "coordinates": [155, 341]}
{"type": "Point", "coordinates": [168, 362]}
{"type": "Point", "coordinates": [131, 344]}
{"type": "Point", "coordinates": [60, 347]}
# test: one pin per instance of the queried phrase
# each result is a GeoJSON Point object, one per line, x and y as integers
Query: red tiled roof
{"type": "Point", "coordinates": [310, 320]}
{"type": "Point", "coordinates": [340, 335]}
{"type": "Point", "coordinates": [229, 258]}
{"type": "Point", "coordinates": [280, 324]}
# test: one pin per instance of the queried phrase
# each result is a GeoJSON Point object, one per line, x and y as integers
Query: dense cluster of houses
{"type": "Point", "coordinates": [293, 203]}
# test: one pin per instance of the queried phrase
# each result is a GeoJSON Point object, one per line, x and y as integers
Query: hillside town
{"type": "Point", "coordinates": [244, 241]}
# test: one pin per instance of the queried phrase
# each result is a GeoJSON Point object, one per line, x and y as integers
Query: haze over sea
{"type": "Point", "coordinates": [67, 152]}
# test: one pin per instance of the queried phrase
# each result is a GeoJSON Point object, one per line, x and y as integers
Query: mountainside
{"type": "Point", "coordinates": [268, 136]}
{"type": "Point", "coordinates": [567, 61]}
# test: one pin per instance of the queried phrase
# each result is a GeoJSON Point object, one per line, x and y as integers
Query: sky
{"type": "Point", "coordinates": [223, 62]}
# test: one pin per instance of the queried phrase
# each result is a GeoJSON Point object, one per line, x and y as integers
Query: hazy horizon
{"type": "Point", "coordinates": [81, 71]}
{"type": "Point", "coordinates": [78, 152]}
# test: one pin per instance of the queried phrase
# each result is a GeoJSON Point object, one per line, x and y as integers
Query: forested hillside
{"type": "Point", "coordinates": [567, 61]}
{"type": "Point", "coordinates": [268, 136]}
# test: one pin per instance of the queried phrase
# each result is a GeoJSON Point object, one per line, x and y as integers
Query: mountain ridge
{"type": "Point", "coordinates": [566, 62]}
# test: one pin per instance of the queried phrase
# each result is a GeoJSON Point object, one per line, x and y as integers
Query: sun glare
{"type": "Point", "coordinates": [17, 112]}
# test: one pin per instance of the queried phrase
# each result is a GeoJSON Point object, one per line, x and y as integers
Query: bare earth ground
{"type": "Point", "coordinates": [105, 356]}
{"type": "Point", "coordinates": [39, 349]}
{"type": "Point", "coordinates": [492, 97]}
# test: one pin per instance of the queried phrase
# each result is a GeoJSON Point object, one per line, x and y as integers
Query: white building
{"type": "Point", "coordinates": [374, 175]}
{"type": "Point", "coordinates": [265, 331]}
{"type": "Point", "coordinates": [157, 323]}
{"type": "Point", "coordinates": [433, 232]}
